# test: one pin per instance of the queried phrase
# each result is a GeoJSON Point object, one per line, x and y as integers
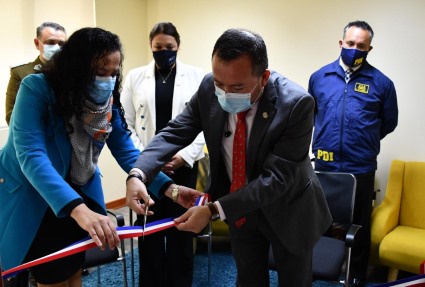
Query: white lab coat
{"type": "Point", "coordinates": [138, 101]}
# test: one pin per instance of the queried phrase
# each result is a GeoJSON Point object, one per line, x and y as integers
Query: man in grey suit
{"type": "Point", "coordinates": [280, 202]}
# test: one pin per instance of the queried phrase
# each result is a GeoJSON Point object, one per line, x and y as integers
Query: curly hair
{"type": "Point", "coordinates": [72, 70]}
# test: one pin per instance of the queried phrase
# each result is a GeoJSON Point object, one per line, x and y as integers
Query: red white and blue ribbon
{"type": "Point", "coordinates": [415, 281]}
{"type": "Point", "coordinates": [202, 200]}
{"type": "Point", "coordinates": [87, 243]}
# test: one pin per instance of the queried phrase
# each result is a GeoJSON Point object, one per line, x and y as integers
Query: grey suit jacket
{"type": "Point", "coordinates": [282, 182]}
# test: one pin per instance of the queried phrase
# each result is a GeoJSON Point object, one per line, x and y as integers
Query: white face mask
{"type": "Point", "coordinates": [49, 51]}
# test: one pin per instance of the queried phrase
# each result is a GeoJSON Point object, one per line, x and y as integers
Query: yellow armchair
{"type": "Point", "coordinates": [398, 223]}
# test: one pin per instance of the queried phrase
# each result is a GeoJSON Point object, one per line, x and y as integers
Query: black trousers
{"type": "Point", "coordinates": [250, 247]}
{"type": "Point", "coordinates": [166, 257]}
{"type": "Point", "coordinates": [362, 216]}
{"type": "Point", "coordinates": [20, 280]}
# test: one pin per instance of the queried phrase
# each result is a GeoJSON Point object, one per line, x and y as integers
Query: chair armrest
{"type": "Point", "coordinates": [384, 219]}
{"type": "Point", "coordinates": [386, 215]}
{"type": "Point", "coordinates": [351, 234]}
{"type": "Point", "coordinates": [118, 217]}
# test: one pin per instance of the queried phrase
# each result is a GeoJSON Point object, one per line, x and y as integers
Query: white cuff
{"type": "Point", "coordinates": [139, 171]}
{"type": "Point", "coordinates": [220, 210]}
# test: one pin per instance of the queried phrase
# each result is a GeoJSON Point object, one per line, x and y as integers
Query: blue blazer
{"type": "Point", "coordinates": [34, 163]}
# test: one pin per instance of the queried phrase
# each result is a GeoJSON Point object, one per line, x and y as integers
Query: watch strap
{"type": "Point", "coordinates": [214, 212]}
{"type": "Point", "coordinates": [136, 175]}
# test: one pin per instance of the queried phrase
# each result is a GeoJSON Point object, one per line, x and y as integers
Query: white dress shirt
{"type": "Point", "coordinates": [227, 144]}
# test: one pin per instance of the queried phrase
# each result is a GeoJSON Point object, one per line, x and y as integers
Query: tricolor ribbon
{"type": "Point", "coordinates": [422, 267]}
{"type": "Point", "coordinates": [202, 200]}
{"type": "Point", "coordinates": [415, 281]}
{"type": "Point", "coordinates": [87, 243]}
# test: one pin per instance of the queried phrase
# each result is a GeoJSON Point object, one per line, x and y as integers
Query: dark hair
{"type": "Point", "coordinates": [53, 25]}
{"type": "Point", "coordinates": [72, 70]}
{"type": "Point", "coordinates": [359, 24]}
{"type": "Point", "coordinates": [166, 28]}
{"type": "Point", "coordinates": [234, 43]}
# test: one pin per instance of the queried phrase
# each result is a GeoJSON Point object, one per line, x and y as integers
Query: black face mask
{"type": "Point", "coordinates": [164, 59]}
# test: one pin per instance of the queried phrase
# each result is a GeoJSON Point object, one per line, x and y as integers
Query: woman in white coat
{"type": "Point", "coordinates": [153, 95]}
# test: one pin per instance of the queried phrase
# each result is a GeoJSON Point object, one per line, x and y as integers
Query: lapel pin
{"type": "Point", "coordinates": [265, 115]}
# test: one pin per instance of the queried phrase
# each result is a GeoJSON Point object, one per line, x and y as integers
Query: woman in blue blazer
{"type": "Point", "coordinates": [50, 186]}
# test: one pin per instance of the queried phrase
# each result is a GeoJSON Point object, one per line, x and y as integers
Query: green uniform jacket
{"type": "Point", "coordinates": [17, 73]}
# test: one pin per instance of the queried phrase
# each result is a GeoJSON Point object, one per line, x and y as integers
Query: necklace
{"type": "Point", "coordinates": [165, 80]}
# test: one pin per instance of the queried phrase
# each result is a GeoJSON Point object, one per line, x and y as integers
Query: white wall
{"type": "Point", "coordinates": [19, 20]}
{"type": "Point", "coordinates": [3, 135]}
{"type": "Point", "coordinates": [128, 20]}
{"type": "Point", "coordinates": [301, 36]}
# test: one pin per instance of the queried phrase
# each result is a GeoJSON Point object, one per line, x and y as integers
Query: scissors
{"type": "Point", "coordinates": [145, 217]}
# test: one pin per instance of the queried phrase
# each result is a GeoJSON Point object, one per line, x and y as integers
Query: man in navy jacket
{"type": "Point", "coordinates": [353, 113]}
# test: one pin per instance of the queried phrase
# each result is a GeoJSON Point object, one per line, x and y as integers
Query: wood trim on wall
{"type": "Point", "coordinates": [115, 204]}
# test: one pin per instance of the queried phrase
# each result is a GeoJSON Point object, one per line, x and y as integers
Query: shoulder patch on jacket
{"type": "Point", "coordinates": [18, 65]}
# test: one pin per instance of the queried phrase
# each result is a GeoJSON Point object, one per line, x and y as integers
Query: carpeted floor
{"type": "Point", "coordinates": [222, 270]}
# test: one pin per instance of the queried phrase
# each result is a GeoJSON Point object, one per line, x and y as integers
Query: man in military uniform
{"type": "Point", "coordinates": [49, 38]}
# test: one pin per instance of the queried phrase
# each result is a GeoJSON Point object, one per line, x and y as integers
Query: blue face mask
{"type": "Point", "coordinates": [235, 103]}
{"type": "Point", "coordinates": [102, 89]}
{"type": "Point", "coordinates": [353, 57]}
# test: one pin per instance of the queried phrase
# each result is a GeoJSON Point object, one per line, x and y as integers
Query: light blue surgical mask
{"type": "Point", "coordinates": [102, 89]}
{"type": "Point", "coordinates": [235, 103]}
{"type": "Point", "coordinates": [49, 51]}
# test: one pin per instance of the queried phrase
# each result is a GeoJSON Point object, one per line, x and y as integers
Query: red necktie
{"type": "Point", "coordinates": [238, 161]}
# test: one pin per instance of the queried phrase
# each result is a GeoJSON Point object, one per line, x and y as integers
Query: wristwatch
{"type": "Point", "coordinates": [175, 193]}
{"type": "Point", "coordinates": [136, 175]}
{"type": "Point", "coordinates": [214, 212]}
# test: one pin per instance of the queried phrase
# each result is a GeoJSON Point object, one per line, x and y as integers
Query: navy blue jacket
{"type": "Point", "coordinates": [351, 119]}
